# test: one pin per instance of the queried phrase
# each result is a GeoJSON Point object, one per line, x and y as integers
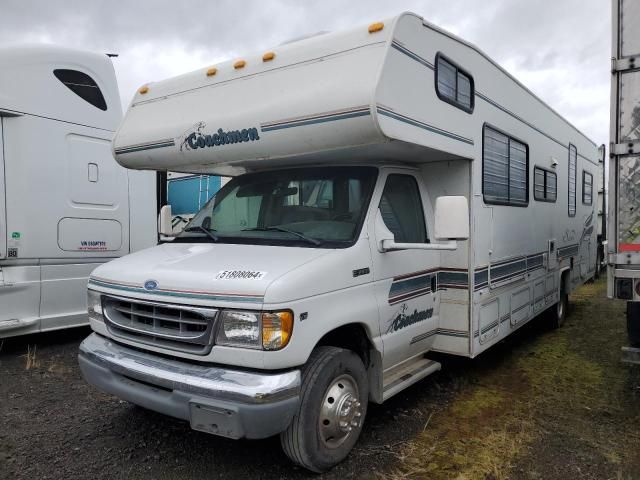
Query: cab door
{"type": "Point", "coordinates": [405, 280]}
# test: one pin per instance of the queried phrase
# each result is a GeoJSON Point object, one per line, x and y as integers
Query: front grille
{"type": "Point", "coordinates": [176, 327]}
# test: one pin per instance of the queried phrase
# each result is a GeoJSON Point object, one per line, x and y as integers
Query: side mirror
{"type": "Point", "coordinates": [451, 225]}
{"type": "Point", "coordinates": [452, 218]}
{"type": "Point", "coordinates": [165, 226]}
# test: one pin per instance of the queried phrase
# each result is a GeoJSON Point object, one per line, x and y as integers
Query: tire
{"type": "Point", "coordinates": [558, 313]}
{"type": "Point", "coordinates": [334, 381]}
{"type": "Point", "coordinates": [633, 323]}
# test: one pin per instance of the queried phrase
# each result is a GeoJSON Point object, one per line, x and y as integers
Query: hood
{"type": "Point", "coordinates": [199, 273]}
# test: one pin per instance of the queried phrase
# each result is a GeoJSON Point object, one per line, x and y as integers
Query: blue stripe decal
{"type": "Point", "coordinates": [439, 331]}
{"type": "Point", "coordinates": [213, 296]}
{"type": "Point", "coordinates": [313, 120]}
{"type": "Point", "coordinates": [401, 48]}
{"type": "Point", "coordinates": [507, 269]}
{"type": "Point", "coordinates": [453, 279]}
{"type": "Point", "coordinates": [407, 286]}
{"type": "Point", "coordinates": [453, 333]}
{"type": "Point", "coordinates": [148, 146]}
{"type": "Point", "coordinates": [425, 126]}
{"type": "Point", "coordinates": [571, 250]}
{"type": "Point", "coordinates": [515, 268]}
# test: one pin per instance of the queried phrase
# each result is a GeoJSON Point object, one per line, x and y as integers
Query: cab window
{"type": "Point", "coordinates": [401, 209]}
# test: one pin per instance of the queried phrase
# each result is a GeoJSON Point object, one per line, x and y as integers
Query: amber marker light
{"type": "Point", "coordinates": [267, 57]}
{"type": "Point", "coordinates": [142, 90]}
{"type": "Point", "coordinates": [239, 64]}
{"type": "Point", "coordinates": [212, 71]}
{"type": "Point", "coordinates": [276, 329]}
{"type": "Point", "coordinates": [376, 27]}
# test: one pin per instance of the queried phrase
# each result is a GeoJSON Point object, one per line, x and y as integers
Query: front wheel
{"type": "Point", "coordinates": [333, 404]}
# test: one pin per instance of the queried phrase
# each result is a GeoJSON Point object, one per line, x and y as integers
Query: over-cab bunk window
{"type": "Point", "coordinates": [587, 188]}
{"type": "Point", "coordinates": [545, 185]}
{"type": "Point", "coordinates": [505, 167]}
{"type": "Point", "coordinates": [573, 171]}
{"type": "Point", "coordinates": [82, 85]}
{"type": "Point", "coordinates": [453, 84]}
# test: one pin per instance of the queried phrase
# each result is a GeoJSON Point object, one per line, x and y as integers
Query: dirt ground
{"type": "Point", "coordinates": [541, 405]}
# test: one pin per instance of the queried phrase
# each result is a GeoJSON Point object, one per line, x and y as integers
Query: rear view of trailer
{"type": "Point", "coordinates": [624, 163]}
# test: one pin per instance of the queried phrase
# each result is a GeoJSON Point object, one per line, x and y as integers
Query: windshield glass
{"type": "Point", "coordinates": [302, 207]}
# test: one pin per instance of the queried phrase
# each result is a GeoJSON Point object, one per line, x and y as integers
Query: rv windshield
{"type": "Point", "coordinates": [314, 207]}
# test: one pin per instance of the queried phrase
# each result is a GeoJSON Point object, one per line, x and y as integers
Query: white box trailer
{"type": "Point", "coordinates": [66, 206]}
{"type": "Point", "coordinates": [624, 169]}
{"type": "Point", "coordinates": [396, 193]}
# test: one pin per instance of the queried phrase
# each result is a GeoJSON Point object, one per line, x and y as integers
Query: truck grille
{"type": "Point", "coordinates": [176, 327]}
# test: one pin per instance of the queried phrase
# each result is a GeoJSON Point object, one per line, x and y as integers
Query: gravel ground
{"type": "Point", "coordinates": [458, 423]}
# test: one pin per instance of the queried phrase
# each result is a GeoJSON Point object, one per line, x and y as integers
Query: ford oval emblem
{"type": "Point", "coordinates": [150, 285]}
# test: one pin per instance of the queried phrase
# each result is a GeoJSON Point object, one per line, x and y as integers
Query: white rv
{"type": "Point", "coordinates": [65, 205]}
{"type": "Point", "coordinates": [395, 193]}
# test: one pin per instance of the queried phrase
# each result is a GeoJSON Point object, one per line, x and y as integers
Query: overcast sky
{"type": "Point", "coordinates": [560, 49]}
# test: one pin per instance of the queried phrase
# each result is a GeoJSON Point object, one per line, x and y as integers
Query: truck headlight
{"type": "Point", "coordinates": [276, 329]}
{"type": "Point", "coordinates": [258, 330]}
{"type": "Point", "coordinates": [94, 305]}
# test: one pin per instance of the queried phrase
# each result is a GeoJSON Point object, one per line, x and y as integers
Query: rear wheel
{"type": "Point", "coordinates": [332, 409]}
{"type": "Point", "coordinates": [558, 313]}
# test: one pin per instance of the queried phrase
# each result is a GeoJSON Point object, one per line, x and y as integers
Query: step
{"type": "Point", "coordinates": [631, 355]}
{"type": "Point", "coordinates": [407, 373]}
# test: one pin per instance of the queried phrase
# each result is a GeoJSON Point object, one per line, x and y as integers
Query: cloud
{"type": "Point", "coordinates": [559, 49]}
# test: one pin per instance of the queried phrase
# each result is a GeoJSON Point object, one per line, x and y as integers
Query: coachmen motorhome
{"type": "Point", "coordinates": [65, 205]}
{"type": "Point", "coordinates": [395, 193]}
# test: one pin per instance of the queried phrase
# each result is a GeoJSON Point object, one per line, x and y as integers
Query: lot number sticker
{"type": "Point", "coordinates": [240, 275]}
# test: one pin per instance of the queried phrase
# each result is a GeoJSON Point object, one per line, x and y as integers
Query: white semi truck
{"type": "Point", "coordinates": [66, 206]}
{"type": "Point", "coordinates": [394, 193]}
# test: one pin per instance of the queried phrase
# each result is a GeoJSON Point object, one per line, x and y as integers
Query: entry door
{"type": "Point", "coordinates": [405, 279]}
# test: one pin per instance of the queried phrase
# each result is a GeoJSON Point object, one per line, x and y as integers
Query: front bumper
{"type": "Point", "coordinates": [221, 401]}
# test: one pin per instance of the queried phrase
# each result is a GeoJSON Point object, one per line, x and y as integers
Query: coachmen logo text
{"type": "Point", "coordinates": [199, 139]}
{"type": "Point", "coordinates": [403, 319]}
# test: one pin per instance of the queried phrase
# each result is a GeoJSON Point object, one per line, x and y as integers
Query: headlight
{"type": "Point", "coordinates": [94, 305]}
{"type": "Point", "coordinates": [276, 329]}
{"type": "Point", "coordinates": [259, 330]}
{"type": "Point", "coordinates": [239, 329]}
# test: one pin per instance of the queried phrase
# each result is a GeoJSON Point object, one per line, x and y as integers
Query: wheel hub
{"type": "Point", "coordinates": [341, 411]}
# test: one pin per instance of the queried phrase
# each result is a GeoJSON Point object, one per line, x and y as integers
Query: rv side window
{"type": "Point", "coordinates": [505, 167]}
{"type": "Point", "coordinates": [401, 209]}
{"type": "Point", "coordinates": [573, 170]}
{"type": "Point", "coordinates": [587, 188]}
{"type": "Point", "coordinates": [82, 85]}
{"type": "Point", "coordinates": [545, 185]}
{"type": "Point", "coordinates": [454, 85]}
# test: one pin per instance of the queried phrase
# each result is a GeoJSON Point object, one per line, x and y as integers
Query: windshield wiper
{"type": "Point", "coordinates": [200, 228]}
{"type": "Point", "coordinates": [304, 237]}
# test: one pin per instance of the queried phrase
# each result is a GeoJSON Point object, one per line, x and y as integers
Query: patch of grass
{"type": "Point", "coordinates": [566, 383]}
{"type": "Point", "coordinates": [462, 440]}
{"type": "Point", "coordinates": [31, 359]}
